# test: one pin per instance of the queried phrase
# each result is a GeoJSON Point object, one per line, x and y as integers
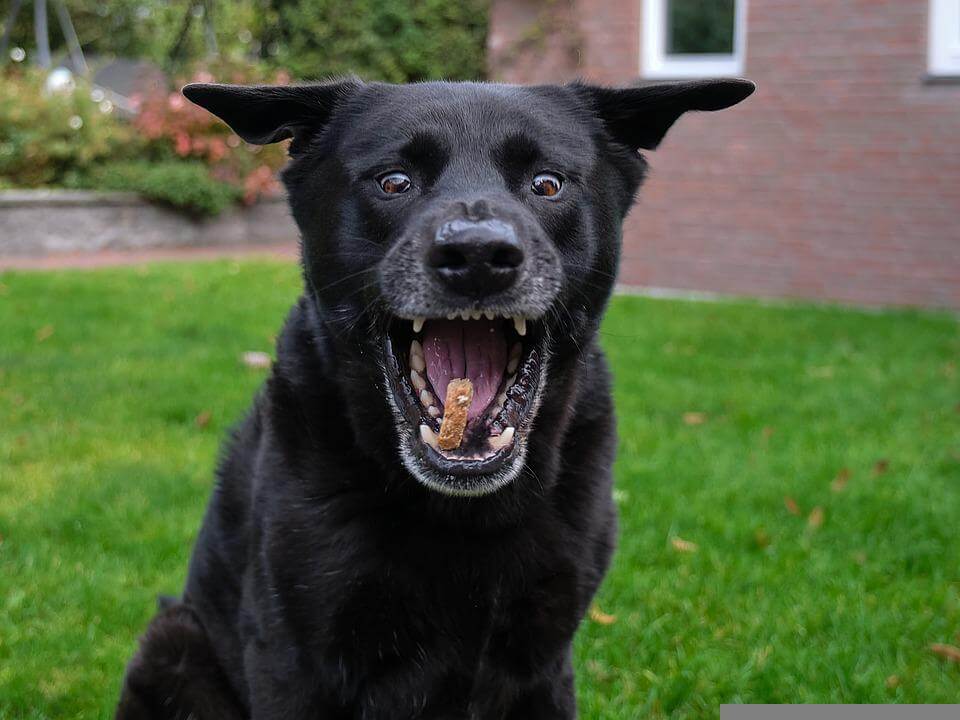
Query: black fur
{"type": "Point", "coordinates": [328, 581]}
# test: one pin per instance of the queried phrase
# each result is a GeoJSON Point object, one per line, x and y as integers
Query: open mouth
{"type": "Point", "coordinates": [502, 357]}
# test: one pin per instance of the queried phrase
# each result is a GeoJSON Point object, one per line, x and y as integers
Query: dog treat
{"type": "Point", "coordinates": [455, 408]}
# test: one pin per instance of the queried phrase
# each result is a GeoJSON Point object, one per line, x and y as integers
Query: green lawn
{"type": "Point", "coordinates": [789, 486]}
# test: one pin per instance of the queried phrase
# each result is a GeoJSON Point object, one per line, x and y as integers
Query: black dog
{"type": "Point", "coordinates": [348, 567]}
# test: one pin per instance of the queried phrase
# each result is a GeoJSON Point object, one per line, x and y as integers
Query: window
{"type": "Point", "coordinates": [944, 43]}
{"type": "Point", "coordinates": [693, 38]}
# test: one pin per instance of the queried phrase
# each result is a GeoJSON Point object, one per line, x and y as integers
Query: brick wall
{"type": "Point", "coordinates": [838, 179]}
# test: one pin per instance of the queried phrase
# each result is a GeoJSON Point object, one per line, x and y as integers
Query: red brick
{"type": "Point", "coordinates": [839, 179]}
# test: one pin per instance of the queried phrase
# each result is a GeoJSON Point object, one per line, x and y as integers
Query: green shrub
{"type": "Point", "coordinates": [394, 40]}
{"type": "Point", "coordinates": [184, 184]}
{"type": "Point", "coordinates": [52, 139]}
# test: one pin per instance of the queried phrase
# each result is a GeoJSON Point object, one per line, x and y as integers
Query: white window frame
{"type": "Point", "coordinates": [655, 62]}
{"type": "Point", "coordinates": [943, 45]}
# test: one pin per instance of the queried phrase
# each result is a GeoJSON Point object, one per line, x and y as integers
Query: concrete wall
{"type": "Point", "coordinates": [41, 222]}
{"type": "Point", "coordinates": [839, 179]}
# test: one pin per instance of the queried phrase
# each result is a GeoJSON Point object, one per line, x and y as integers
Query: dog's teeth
{"type": "Point", "coordinates": [489, 315]}
{"type": "Point", "coordinates": [465, 315]}
{"type": "Point", "coordinates": [476, 315]}
{"type": "Point", "coordinates": [433, 411]}
{"type": "Point", "coordinates": [417, 379]}
{"type": "Point", "coordinates": [418, 324]}
{"type": "Point", "coordinates": [520, 324]}
{"type": "Point", "coordinates": [430, 437]}
{"type": "Point", "coordinates": [513, 364]}
{"type": "Point", "coordinates": [417, 361]}
{"type": "Point", "coordinates": [451, 316]}
{"type": "Point", "coordinates": [497, 409]}
{"type": "Point", "coordinates": [511, 379]}
{"type": "Point", "coordinates": [501, 399]}
{"type": "Point", "coordinates": [426, 398]}
{"type": "Point", "coordinates": [497, 442]}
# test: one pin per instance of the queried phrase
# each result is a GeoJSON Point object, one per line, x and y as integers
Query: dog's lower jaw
{"type": "Point", "coordinates": [452, 485]}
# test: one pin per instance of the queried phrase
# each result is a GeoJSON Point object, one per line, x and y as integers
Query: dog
{"type": "Point", "coordinates": [348, 566]}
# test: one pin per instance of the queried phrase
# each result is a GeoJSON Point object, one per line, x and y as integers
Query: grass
{"type": "Point", "coordinates": [788, 481]}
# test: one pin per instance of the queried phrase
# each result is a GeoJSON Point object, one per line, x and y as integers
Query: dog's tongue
{"type": "Point", "coordinates": [474, 349]}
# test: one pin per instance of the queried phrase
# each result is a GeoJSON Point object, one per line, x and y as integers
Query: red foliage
{"type": "Point", "coordinates": [173, 124]}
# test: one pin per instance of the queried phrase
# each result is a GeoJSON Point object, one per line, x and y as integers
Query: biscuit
{"type": "Point", "coordinates": [455, 408]}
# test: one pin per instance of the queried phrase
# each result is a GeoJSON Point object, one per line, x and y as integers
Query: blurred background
{"type": "Point", "coordinates": [784, 340]}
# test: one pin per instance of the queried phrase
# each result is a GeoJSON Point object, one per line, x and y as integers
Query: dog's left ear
{"type": "Point", "coordinates": [262, 114]}
{"type": "Point", "coordinates": [639, 117]}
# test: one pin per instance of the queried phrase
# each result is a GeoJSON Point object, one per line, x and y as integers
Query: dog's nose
{"type": "Point", "coordinates": [476, 258]}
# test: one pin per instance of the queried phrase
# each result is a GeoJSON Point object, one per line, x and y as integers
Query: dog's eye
{"type": "Point", "coordinates": [394, 183]}
{"type": "Point", "coordinates": [546, 184]}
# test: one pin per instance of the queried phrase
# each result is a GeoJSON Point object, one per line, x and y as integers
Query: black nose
{"type": "Point", "coordinates": [476, 258]}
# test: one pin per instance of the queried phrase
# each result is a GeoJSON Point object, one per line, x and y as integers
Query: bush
{"type": "Point", "coordinates": [54, 139]}
{"type": "Point", "coordinates": [393, 40]}
{"type": "Point", "coordinates": [186, 185]}
{"type": "Point", "coordinates": [172, 151]}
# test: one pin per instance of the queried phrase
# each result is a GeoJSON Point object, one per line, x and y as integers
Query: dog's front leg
{"type": "Point", "coordinates": [281, 690]}
{"type": "Point", "coordinates": [550, 699]}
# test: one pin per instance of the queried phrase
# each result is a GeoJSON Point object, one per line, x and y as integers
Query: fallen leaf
{"type": "Point", "coordinates": [762, 538]}
{"type": "Point", "coordinates": [768, 432]}
{"type": "Point", "coordinates": [600, 617]}
{"type": "Point", "coordinates": [203, 419]}
{"type": "Point", "coordinates": [840, 481]}
{"type": "Point", "coordinates": [694, 418]}
{"type": "Point", "coordinates": [44, 333]}
{"type": "Point", "coordinates": [256, 359]}
{"type": "Point", "coordinates": [681, 545]}
{"type": "Point", "coordinates": [892, 682]}
{"type": "Point", "coordinates": [948, 652]}
{"type": "Point", "coordinates": [816, 517]}
{"type": "Point", "coordinates": [791, 505]}
{"type": "Point", "coordinates": [881, 466]}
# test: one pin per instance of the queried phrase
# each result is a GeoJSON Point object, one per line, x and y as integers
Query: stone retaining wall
{"type": "Point", "coordinates": [43, 222]}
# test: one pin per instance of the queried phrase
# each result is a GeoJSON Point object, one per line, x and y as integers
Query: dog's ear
{"type": "Point", "coordinates": [262, 114]}
{"type": "Point", "coordinates": [639, 117]}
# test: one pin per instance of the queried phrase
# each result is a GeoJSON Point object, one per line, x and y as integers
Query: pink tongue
{"type": "Point", "coordinates": [473, 349]}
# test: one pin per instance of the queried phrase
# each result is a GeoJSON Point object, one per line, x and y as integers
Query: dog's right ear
{"type": "Point", "coordinates": [262, 114]}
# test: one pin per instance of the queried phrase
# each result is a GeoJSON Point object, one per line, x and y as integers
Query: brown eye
{"type": "Point", "coordinates": [394, 183]}
{"type": "Point", "coordinates": [546, 185]}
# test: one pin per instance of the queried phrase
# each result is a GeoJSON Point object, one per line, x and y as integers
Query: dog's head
{"type": "Point", "coordinates": [461, 230]}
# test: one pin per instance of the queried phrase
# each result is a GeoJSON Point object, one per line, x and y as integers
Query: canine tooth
{"type": "Point", "coordinates": [426, 397]}
{"type": "Point", "coordinates": [497, 442]}
{"type": "Point", "coordinates": [417, 361]}
{"type": "Point", "coordinates": [433, 411]}
{"type": "Point", "coordinates": [513, 364]}
{"type": "Point", "coordinates": [497, 409]}
{"type": "Point", "coordinates": [489, 315]}
{"type": "Point", "coordinates": [520, 324]}
{"type": "Point", "coordinates": [430, 437]}
{"type": "Point", "coordinates": [418, 324]}
{"type": "Point", "coordinates": [511, 379]}
{"type": "Point", "coordinates": [501, 399]}
{"type": "Point", "coordinates": [417, 379]}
